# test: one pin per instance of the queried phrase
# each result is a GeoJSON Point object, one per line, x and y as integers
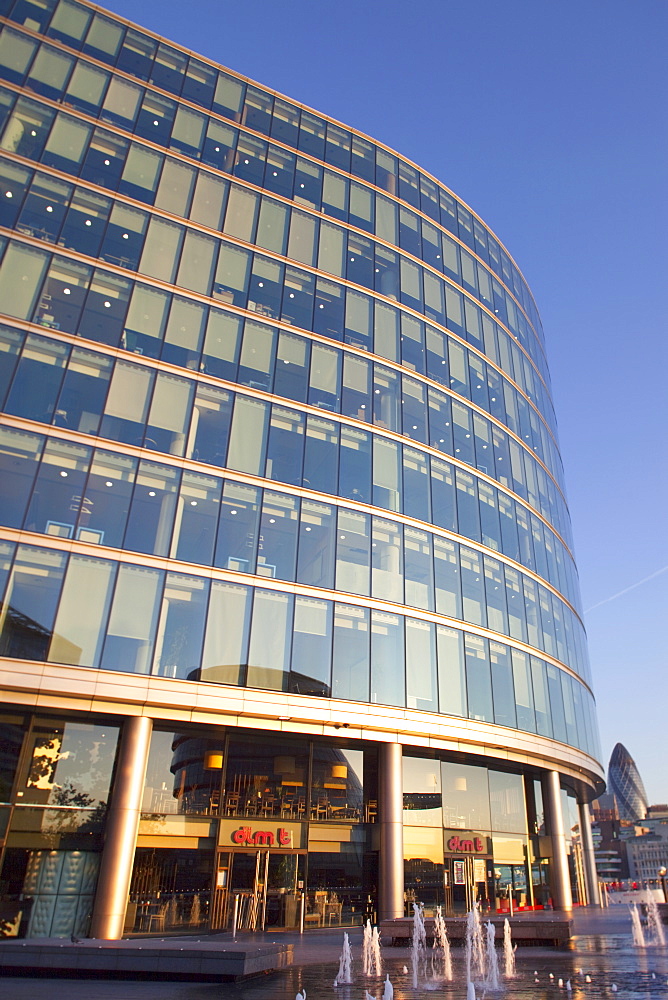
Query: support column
{"type": "Point", "coordinates": [120, 839]}
{"type": "Point", "coordinates": [588, 856]}
{"type": "Point", "coordinates": [391, 817]}
{"type": "Point", "coordinates": [560, 879]}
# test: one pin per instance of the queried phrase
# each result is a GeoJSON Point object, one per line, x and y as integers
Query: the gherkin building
{"type": "Point", "coordinates": [625, 783]}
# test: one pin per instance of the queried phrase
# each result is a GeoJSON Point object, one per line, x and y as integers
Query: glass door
{"type": "Point", "coordinates": [284, 885]}
{"type": "Point", "coordinates": [466, 884]}
{"type": "Point", "coordinates": [258, 889]}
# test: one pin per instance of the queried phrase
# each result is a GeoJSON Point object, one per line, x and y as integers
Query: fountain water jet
{"type": "Point", "coordinates": [418, 946]}
{"type": "Point", "coordinates": [376, 962]}
{"type": "Point", "coordinates": [388, 989]}
{"type": "Point", "coordinates": [638, 933]}
{"type": "Point", "coordinates": [654, 924]}
{"type": "Point", "coordinates": [441, 961]}
{"type": "Point", "coordinates": [475, 952]}
{"type": "Point", "coordinates": [508, 951]}
{"type": "Point", "coordinates": [345, 973]}
{"type": "Point", "coordinates": [371, 960]}
{"type": "Point", "coordinates": [491, 960]}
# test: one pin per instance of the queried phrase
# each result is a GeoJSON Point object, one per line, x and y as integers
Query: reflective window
{"type": "Point", "coordinates": [271, 633]}
{"type": "Point", "coordinates": [78, 638]}
{"type": "Point", "coordinates": [502, 685]}
{"type": "Point", "coordinates": [58, 493]}
{"type": "Point", "coordinates": [131, 630]}
{"type": "Point", "coordinates": [181, 626]}
{"type": "Point", "coordinates": [152, 510]}
{"type": "Point", "coordinates": [69, 764]}
{"type": "Point", "coordinates": [277, 549]}
{"type": "Point", "coordinates": [387, 577]}
{"type": "Point", "coordinates": [350, 670]}
{"type": "Point", "coordinates": [422, 792]}
{"type": "Point", "coordinates": [285, 445]}
{"type": "Point", "coordinates": [507, 805]}
{"type": "Point", "coordinates": [321, 454]}
{"type": "Point", "coordinates": [225, 651]}
{"type": "Point", "coordinates": [238, 528]}
{"type": "Point", "coordinates": [196, 519]}
{"type": "Point", "coordinates": [352, 552]}
{"type": "Point", "coordinates": [317, 534]}
{"type": "Point", "coordinates": [210, 425]}
{"type": "Point", "coordinates": [34, 390]}
{"type": "Point", "coordinates": [30, 602]}
{"type": "Point", "coordinates": [418, 568]}
{"type": "Point", "coordinates": [311, 647]}
{"type": "Point", "coordinates": [523, 691]}
{"type": "Point", "coordinates": [19, 455]}
{"type": "Point", "coordinates": [387, 659]}
{"type": "Point", "coordinates": [451, 671]}
{"type": "Point", "coordinates": [421, 678]}
{"type": "Point", "coordinates": [447, 577]}
{"type": "Point", "coordinates": [478, 680]}
{"type": "Point", "coordinates": [107, 498]}
{"type": "Point", "coordinates": [465, 797]}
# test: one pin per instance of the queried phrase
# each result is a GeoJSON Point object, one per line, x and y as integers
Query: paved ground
{"type": "Point", "coordinates": [601, 956]}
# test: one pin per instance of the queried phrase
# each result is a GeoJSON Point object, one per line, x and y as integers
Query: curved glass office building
{"type": "Point", "coordinates": [290, 625]}
{"type": "Point", "coordinates": [625, 783]}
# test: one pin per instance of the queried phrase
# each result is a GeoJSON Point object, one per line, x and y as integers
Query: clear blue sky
{"type": "Point", "coordinates": [550, 120]}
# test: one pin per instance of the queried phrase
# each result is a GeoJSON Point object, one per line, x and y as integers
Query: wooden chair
{"type": "Point", "coordinates": [232, 804]}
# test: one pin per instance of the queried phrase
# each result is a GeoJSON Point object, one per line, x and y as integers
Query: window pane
{"type": "Point", "coordinates": [32, 594]}
{"type": "Point", "coordinates": [78, 638]}
{"type": "Point", "coordinates": [387, 578]}
{"type": "Point", "coordinates": [19, 455]}
{"type": "Point", "coordinates": [131, 631]}
{"type": "Point", "coordinates": [350, 674]}
{"type": "Point", "coordinates": [238, 528]}
{"type": "Point", "coordinates": [311, 647]}
{"type": "Point", "coordinates": [507, 806]}
{"type": "Point", "coordinates": [269, 652]}
{"type": "Point", "coordinates": [502, 685]}
{"type": "Point", "coordinates": [451, 671]}
{"type": "Point", "coordinates": [317, 534]}
{"type": "Point", "coordinates": [478, 678]}
{"type": "Point", "coordinates": [196, 518]}
{"type": "Point", "coordinates": [211, 425]}
{"type": "Point", "coordinates": [226, 638]}
{"type": "Point", "coordinates": [352, 552]}
{"type": "Point", "coordinates": [20, 280]}
{"type": "Point", "coordinates": [153, 506]}
{"type": "Point", "coordinates": [181, 626]}
{"type": "Point", "coordinates": [465, 797]}
{"type": "Point", "coordinates": [387, 659]}
{"type": "Point", "coordinates": [421, 683]}
{"type": "Point", "coordinates": [248, 435]}
{"type": "Point", "coordinates": [58, 494]}
{"type": "Point", "coordinates": [108, 493]}
{"type": "Point", "coordinates": [278, 536]}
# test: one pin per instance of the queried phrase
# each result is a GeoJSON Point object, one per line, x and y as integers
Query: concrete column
{"type": "Point", "coordinates": [588, 857]}
{"type": "Point", "coordinates": [120, 837]}
{"type": "Point", "coordinates": [560, 880]}
{"type": "Point", "coordinates": [390, 817]}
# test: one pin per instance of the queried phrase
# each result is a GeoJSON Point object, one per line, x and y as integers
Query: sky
{"type": "Point", "coordinates": [550, 120]}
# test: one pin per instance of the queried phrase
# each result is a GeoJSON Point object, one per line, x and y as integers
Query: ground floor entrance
{"type": "Point", "coordinates": [258, 890]}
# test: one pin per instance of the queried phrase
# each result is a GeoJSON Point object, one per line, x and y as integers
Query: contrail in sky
{"type": "Point", "coordinates": [626, 589]}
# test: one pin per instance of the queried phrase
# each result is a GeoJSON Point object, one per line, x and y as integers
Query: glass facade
{"type": "Point", "coordinates": [276, 416]}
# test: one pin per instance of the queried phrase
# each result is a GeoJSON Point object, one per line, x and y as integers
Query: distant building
{"type": "Point", "coordinates": [625, 783]}
{"type": "Point", "coordinates": [648, 853]}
